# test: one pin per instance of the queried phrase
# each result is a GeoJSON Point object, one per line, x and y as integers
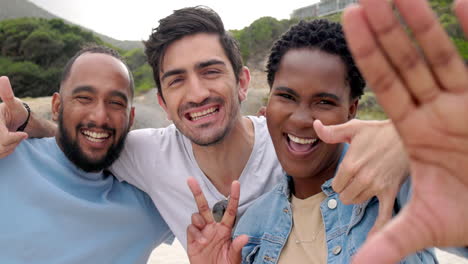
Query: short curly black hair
{"type": "Point", "coordinates": [320, 34]}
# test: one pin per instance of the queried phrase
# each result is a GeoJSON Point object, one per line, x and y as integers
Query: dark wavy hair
{"type": "Point", "coordinates": [185, 22]}
{"type": "Point", "coordinates": [322, 35]}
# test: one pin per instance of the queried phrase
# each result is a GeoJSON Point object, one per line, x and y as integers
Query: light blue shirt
{"type": "Point", "coordinates": [52, 212]}
{"type": "Point", "coordinates": [268, 223]}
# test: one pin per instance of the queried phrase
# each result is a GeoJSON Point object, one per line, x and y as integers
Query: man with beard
{"type": "Point", "coordinates": [57, 203]}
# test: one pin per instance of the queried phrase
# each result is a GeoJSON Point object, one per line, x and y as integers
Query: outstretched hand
{"type": "Point", "coordinates": [12, 115]}
{"type": "Point", "coordinates": [210, 242]}
{"type": "Point", "coordinates": [426, 96]}
{"type": "Point", "coordinates": [375, 163]}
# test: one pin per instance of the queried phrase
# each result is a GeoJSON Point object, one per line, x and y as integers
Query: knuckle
{"type": "Point", "coordinates": [383, 81]}
{"type": "Point", "coordinates": [203, 207]}
{"type": "Point", "coordinates": [231, 212]}
{"type": "Point", "coordinates": [350, 167]}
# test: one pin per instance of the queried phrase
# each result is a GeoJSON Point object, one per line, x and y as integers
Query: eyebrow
{"type": "Point", "coordinates": [84, 88]}
{"type": "Point", "coordinates": [172, 72]}
{"type": "Point", "coordinates": [207, 63]}
{"type": "Point", "coordinates": [286, 90]}
{"type": "Point", "coordinates": [328, 95]}
{"type": "Point", "coordinates": [317, 95]}
{"type": "Point", "coordinates": [120, 94]}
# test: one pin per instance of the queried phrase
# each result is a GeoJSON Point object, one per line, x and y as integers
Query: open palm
{"type": "Point", "coordinates": [426, 96]}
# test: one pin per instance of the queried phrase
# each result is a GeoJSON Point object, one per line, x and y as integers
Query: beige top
{"type": "Point", "coordinates": [306, 242]}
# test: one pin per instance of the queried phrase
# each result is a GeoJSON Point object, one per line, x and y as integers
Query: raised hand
{"type": "Point", "coordinates": [375, 164]}
{"type": "Point", "coordinates": [210, 242]}
{"type": "Point", "coordinates": [12, 115]}
{"type": "Point", "coordinates": [425, 93]}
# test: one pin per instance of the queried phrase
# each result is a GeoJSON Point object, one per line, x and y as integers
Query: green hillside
{"type": "Point", "coordinates": [33, 52]}
{"type": "Point", "coordinates": [10, 9]}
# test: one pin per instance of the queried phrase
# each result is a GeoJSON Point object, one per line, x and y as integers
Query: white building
{"type": "Point", "coordinates": [323, 8]}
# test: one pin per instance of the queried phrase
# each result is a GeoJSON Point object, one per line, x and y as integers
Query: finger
{"type": "Point", "coordinates": [399, 238]}
{"type": "Point", "coordinates": [400, 50]}
{"type": "Point", "coordinates": [6, 92]}
{"type": "Point", "coordinates": [231, 211]}
{"type": "Point", "coordinates": [6, 153]}
{"type": "Point", "coordinates": [443, 58]}
{"type": "Point", "coordinates": [12, 138]}
{"type": "Point", "coordinates": [365, 195]}
{"type": "Point", "coordinates": [195, 240]}
{"type": "Point", "coordinates": [200, 200]}
{"type": "Point", "coordinates": [461, 9]}
{"type": "Point", "coordinates": [236, 248]}
{"type": "Point", "coordinates": [374, 66]}
{"type": "Point", "coordinates": [350, 193]}
{"type": "Point", "coordinates": [335, 133]}
{"type": "Point", "coordinates": [386, 204]}
{"type": "Point", "coordinates": [349, 167]}
{"type": "Point", "coordinates": [198, 221]}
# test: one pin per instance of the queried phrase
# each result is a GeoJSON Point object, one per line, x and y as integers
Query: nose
{"type": "Point", "coordinates": [302, 117]}
{"type": "Point", "coordinates": [99, 114]}
{"type": "Point", "coordinates": [196, 92]}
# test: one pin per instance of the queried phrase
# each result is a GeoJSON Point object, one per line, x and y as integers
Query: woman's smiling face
{"type": "Point", "coordinates": [309, 84]}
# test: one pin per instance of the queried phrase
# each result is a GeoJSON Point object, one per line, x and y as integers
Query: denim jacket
{"type": "Point", "coordinates": [268, 223]}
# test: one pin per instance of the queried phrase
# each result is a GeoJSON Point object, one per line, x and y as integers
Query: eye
{"type": "Point", "coordinates": [175, 81]}
{"type": "Point", "coordinates": [326, 102]}
{"type": "Point", "coordinates": [211, 73]}
{"type": "Point", "coordinates": [117, 103]}
{"type": "Point", "coordinates": [83, 99]}
{"type": "Point", "coordinates": [286, 96]}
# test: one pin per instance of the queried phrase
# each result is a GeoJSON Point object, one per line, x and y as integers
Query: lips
{"type": "Point", "coordinates": [301, 145]}
{"type": "Point", "coordinates": [202, 114]}
{"type": "Point", "coordinates": [94, 136]}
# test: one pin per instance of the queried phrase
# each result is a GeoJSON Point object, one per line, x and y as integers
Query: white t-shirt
{"type": "Point", "coordinates": [159, 161]}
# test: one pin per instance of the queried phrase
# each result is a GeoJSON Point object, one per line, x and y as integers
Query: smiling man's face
{"type": "Point", "coordinates": [94, 111]}
{"type": "Point", "coordinates": [202, 96]}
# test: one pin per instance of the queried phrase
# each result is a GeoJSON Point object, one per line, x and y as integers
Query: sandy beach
{"type": "Point", "coordinates": [175, 254]}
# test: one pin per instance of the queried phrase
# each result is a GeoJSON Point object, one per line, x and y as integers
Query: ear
{"type": "Point", "coordinates": [132, 117]}
{"type": "Point", "coordinates": [244, 82]}
{"type": "Point", "coordinates": [56, 104]}
{"type": "Point", "coordinates": [164, 106]}
{"type": "Point", "coordinates": [353, 108]}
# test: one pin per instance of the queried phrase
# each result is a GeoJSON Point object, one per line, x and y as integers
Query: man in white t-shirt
{"type": "Point", "coordinates": [201, 82]}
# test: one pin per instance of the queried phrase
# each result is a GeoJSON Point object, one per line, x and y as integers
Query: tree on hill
{"type": "Point", "coordinates": [33, 52]}
{"type": "Point", "coordinates": [256, 40]}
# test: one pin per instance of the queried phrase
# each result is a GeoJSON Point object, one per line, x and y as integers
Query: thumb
{"type": "Point", "coordinates": [336, 133]}
{"type": "Point", "coordinates": [235, 254]}
{"type": "Point", "coordinates": [9, 142]}
{"type": "Point", "coordinates": [6, 92]}
{"type": "Point", "coordinates": [386, 204]}
{"type": "Point", "coordinates": [400, 237]}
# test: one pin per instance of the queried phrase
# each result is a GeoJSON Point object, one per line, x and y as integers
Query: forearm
{"type": "Point", "coordinates": [39, 127]}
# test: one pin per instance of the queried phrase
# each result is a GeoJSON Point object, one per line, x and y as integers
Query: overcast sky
{"type": "Point", "coordinates": [134, 19]}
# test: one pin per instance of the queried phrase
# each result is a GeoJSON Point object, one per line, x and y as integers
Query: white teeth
{"type": "Point", "coordinates": [205, 113]}
{"type": "Point", "coordinates": [302, 141]}
{"type": "Point", "coordinates": [95, 137]}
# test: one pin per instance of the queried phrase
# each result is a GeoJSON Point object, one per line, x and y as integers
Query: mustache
{"type": "Point", "coordinates": [93, 125]}
{"type": "Point", "coordinates": [209, 100]}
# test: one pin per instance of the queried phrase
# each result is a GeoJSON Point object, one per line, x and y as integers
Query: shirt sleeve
{"type": "Point", "coordinates": [461, 251]}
